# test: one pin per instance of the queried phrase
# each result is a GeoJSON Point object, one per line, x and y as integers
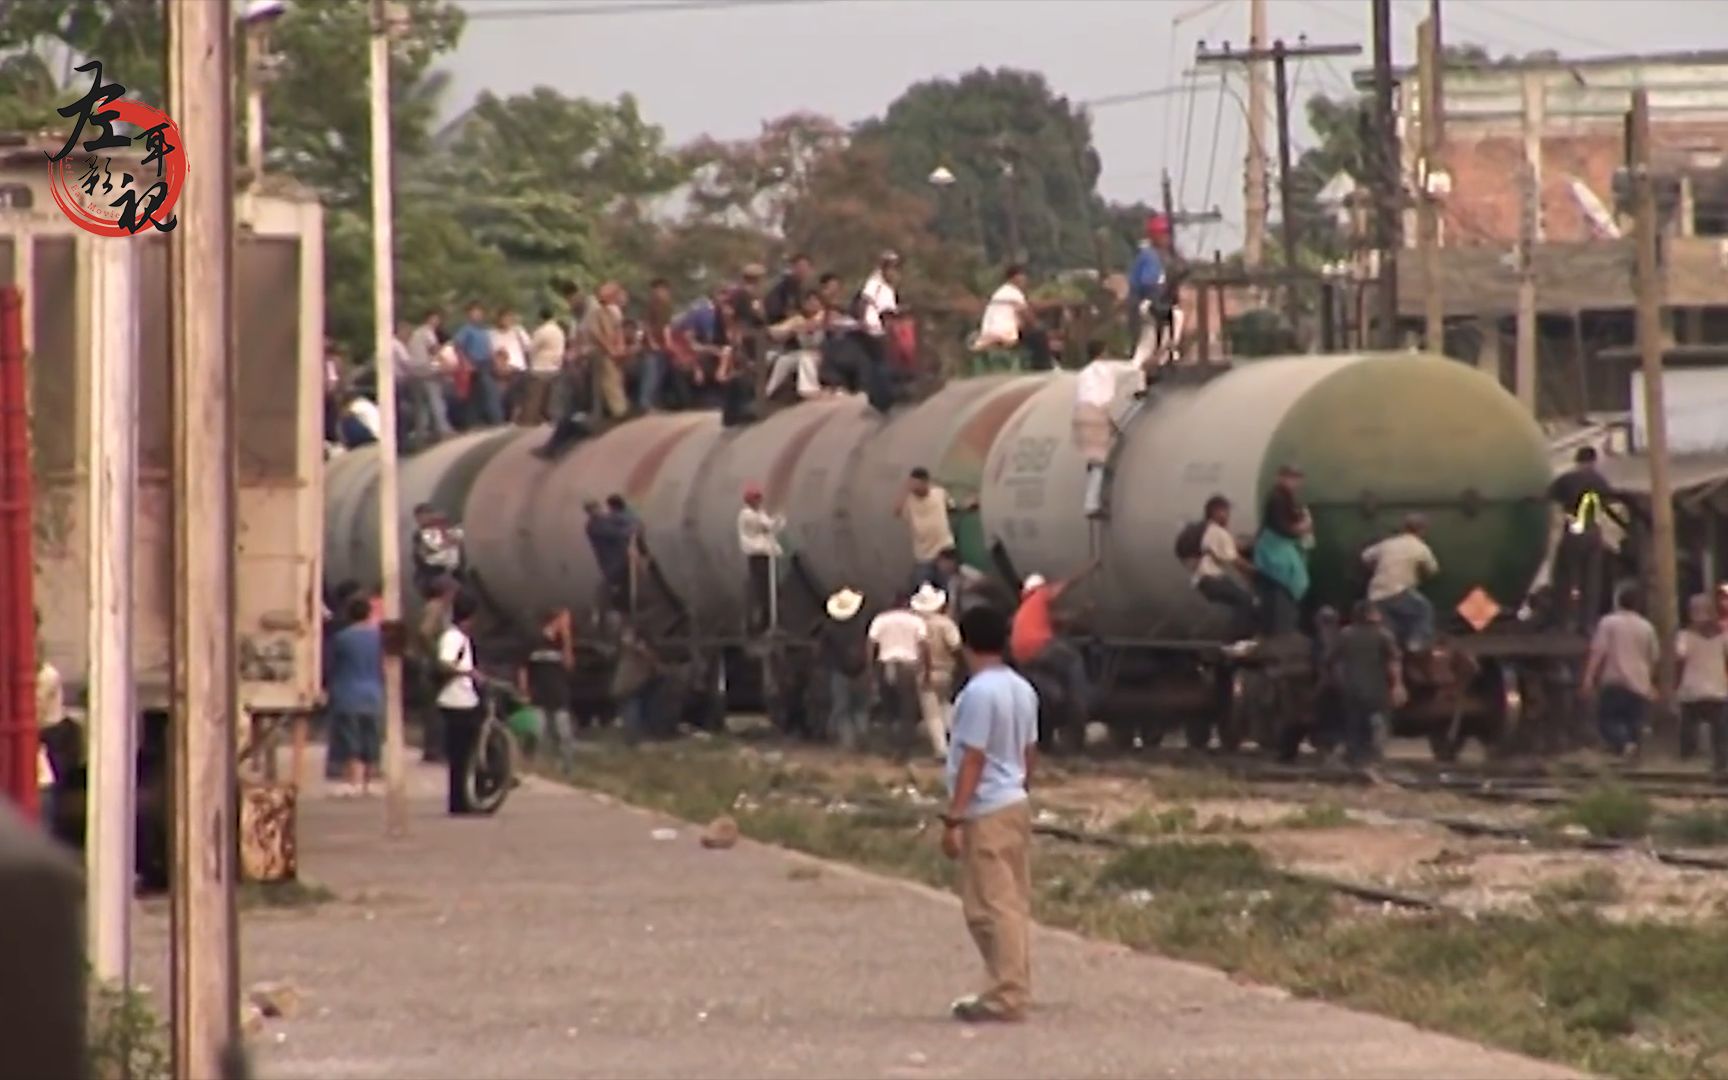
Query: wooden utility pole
{"type": "Point", "coordinates": [384, 330]}
{"type": "Point", "coordinates": [1648, 283]}
{"type": "Point", "coordinates": [1428, 225]}
{"type": "Point", "coordinates": [205, 977]}
{"type": "Point", "coordinates": [1254, 175]}
{"type": "Point", "coordinates": [109, 312]}
{"type": "Point", "coordinates": [1388, 178]}
{"type": "Point", "coordinates": [1529, 235]}
{"type": "Point", "coordinates": [1280, 54]}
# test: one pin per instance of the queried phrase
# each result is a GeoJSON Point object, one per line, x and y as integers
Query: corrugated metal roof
{"type": "Point", "coordinates": [1687, 473]}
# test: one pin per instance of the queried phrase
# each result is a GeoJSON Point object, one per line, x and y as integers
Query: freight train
{"type": "Point", "coordinates": [1379, 436]}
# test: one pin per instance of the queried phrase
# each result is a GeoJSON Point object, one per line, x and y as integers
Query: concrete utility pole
{"type": "Point", "coordinates": [1529, 235]}
{"type": "Point", "coordinates": [205, 976]}
{"type": "Point", "coordinates": [1428, 225]}
{"type": "Point", "coordinates": [1389, 177]}
{"type": "Point", "coordinates": [110, 314]}
{"type": "Point", "coordinates": [1280, 54]}
{"type": "Point", "coordinates": [1254, 175]}
{"type": "Point", "coordinates": [1648, 283]}
{"type": "Point", "coordinates": [384, 331]}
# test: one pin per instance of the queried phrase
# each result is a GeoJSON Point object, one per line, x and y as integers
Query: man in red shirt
{"type": "Point", "coordinates": [1053, 666]}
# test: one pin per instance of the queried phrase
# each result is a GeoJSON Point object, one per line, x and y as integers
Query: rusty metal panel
{"type": "Point", "coordinates": [267, 321]}
{"type": "Point", "coordinates": [55, 370]}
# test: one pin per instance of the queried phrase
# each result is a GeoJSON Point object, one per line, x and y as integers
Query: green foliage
{"type": "Point", "coordinates": [1147, 822]}
{"type": "Point", "coordinates": [1324, 814]}
{"type": "Point", "coordinates": [1023, 161]}
{"type": "Point", "coordinates": [1610, 812]}
{"type": "Point", "coordinates": [125, 1036]}
{"type": "Point", "coordinates": [1590, 887]}
{"type": "Point", "coordinates": [1204, 867]}
{"type": "Point", "coordinates": [1695, 828]}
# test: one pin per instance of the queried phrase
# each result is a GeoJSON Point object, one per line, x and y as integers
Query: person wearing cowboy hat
{"type": "Point", "coordinates": [900, 645]}
{"type": "Point", "coordinates": [943, 643]}
{"type": "Point", "coordinates": [759, 541]}
{"type": "Point", "coordinates": [844, 650]}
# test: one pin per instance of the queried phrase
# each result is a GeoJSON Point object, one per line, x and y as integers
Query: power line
{"type": "Point", "coordinates": [1545, 26]}
{"type": "Point", "coordinates": [630, 7]}
{"type": "Point", "coordinates": [1131, 96]}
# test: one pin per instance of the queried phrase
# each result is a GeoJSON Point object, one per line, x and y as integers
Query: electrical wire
{"type": "Point", "coordinates": [630, 7]}
{"type": "Point", "coordinates": [1543, 25]}
{"type": "Point", "coordinates": [1217, 131]}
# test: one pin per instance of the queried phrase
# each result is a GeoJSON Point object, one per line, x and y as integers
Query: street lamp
{"type": "Point", "coordinates": [261, 63]}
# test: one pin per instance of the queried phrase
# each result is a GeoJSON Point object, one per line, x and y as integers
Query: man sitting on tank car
{"type": "Point", "coordinates": [1221, 572]}
{"type": "Point", "coordinates": [1401, 563]}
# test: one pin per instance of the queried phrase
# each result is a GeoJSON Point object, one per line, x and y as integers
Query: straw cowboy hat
{"type": "Point", "coordinates": [928, 600]}
{"type": "Point", "coordinates": [1032, 582]}
{"type": "Point", "coordinates": [844, 604]}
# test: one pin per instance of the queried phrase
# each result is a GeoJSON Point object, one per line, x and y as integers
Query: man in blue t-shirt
{"type": "Point", "coordinates": [474, 345]}
{"type": "Point", "coordinates": [992, 750]}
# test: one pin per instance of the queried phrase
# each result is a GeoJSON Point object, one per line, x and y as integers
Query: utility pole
{"type": "Point", "coordinates": [1648, 283]}
{"type": "Point", "coordinates": [1177, 218]}
{"type": "Point", "coordinates": [1428, 223]}
{"type": "Point", "coordinates": [110, 314]}
{"type": "Point", "coordinates": [1529, 235]}
{"type": "Point", "coordinates": [205, 971]}
{"type": "Point", "coordinates": [1254, 176]}
{"type": "Point", "coordinates": [1389, 177]}
{"type": "Point", "coordinates": [384, 318]}
{"type": "Point", "coordinates": [1280, 54]}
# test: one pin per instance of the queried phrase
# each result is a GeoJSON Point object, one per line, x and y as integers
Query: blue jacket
{"type": "Point", "coordinates": [1145, 275]}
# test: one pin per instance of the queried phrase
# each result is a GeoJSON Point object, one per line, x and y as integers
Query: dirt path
{"type": "Point", "coordinates": [561, 939]}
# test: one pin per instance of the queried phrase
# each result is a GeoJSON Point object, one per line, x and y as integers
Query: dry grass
{"type": "Point", "coordinates": [1633, 1000]}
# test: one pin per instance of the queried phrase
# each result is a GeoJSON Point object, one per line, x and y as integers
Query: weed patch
{"type": "Point", "coordinates": [1698, 828]}
{"type": "Point", "coordinates": [1610, 812]}
{"type": "Point", "coordinates": [1147, 822]}
{"type": "Point", "coordinates": [1324, 814]}
{"type": "Point", "coordinates": [1594, 886]}
{"type": "Point", "coordinates": [1622, 999]}
{"type": "Point", "coordinates": [266, 895]}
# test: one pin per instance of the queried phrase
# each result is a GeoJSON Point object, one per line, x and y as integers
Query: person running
{"type": "Point", "coordinates": [942, 641]}
{"type": "Point", "coordinates": [1621, 674]}
{"type": "Point", "coordinates": [844, 648]}
{"type": "Point", "coordinates": [988, 824]}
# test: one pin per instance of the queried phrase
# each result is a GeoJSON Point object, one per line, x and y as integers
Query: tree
{"type": "Point", "coordinates": [751, 183]}
{"type": "Point", "coordinates": [536, 177]}
{"type": "Point", "coordinates": [126, 35]}
{"type": "Point", "coordinates": [853, 210]}
{"type": "Point", "coordinates": [1023, 162]}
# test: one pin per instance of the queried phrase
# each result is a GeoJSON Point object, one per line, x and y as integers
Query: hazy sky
{"type": "Point", "coordinates": [725, 70]}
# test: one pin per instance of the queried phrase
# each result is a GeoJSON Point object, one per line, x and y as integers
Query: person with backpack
{"type": "Point", "coordinates": [1220, 572]}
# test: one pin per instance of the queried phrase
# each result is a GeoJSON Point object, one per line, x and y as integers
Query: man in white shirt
{"type": "Point", "coordinates": [426, 379]}
{"type": "Point", "coordinates": [1006, 312]}
{"type": "Point", "coordinates": [1221, 574]}
{"type": "Point", "coordinates": [879, 301]}
{"type": "Point", "coordinates": [510, 348]}
{"type": "Point", "coordinates": [900, 646]}
{"type": "Point", "coordinates": [1095, 390]}
{"type": "Point", "coordinates": [459, 701]}
{"type": "Point", "coordinates": [1401, 563]}
{"type": "Point", "coordinates": [545, 364]}
{"type": "Point", "coordinates": [759, 540]}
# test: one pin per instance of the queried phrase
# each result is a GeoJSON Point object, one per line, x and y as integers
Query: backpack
{"type": "Point", "coordinates": [1188, 541]}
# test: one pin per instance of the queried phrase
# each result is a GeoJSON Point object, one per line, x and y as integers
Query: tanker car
{"type": "Point", "coordinates": [1379, 436]}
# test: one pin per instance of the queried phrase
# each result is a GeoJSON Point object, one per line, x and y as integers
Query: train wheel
{"type": "Point", "coordinates": [1237, 715]}
{"type": "Point", "coordinates": [1503, 728]}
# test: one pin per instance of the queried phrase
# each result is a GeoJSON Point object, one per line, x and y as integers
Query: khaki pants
{"type": "Point", "coordinates": [933, 709]}
{"type": "Point", "coordinates": [532, 406]}
{"type": "Point", "coordinates": [609, 388]}
{"type": "Point", "coordinates": [996, 896]}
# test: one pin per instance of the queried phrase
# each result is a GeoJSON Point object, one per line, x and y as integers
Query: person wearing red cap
{"type": "Point", "coordinates": [1146, 273]}
{"type": "Point", "coordinates": [759, 540]}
